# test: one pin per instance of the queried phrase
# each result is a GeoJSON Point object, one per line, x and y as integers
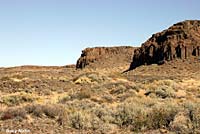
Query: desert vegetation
{"type": "Point", "coordinates": [101, 102]}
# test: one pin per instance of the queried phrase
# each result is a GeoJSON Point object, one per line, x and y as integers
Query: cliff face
{"type": "Point", "coordinates": [182, 41]}
{"type": "Point", "coordinates": [105, 57]}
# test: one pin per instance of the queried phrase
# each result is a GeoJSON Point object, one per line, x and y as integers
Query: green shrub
{"type": "Point", "coordinates": [17, 99]}
{"type": "Point", "coordinates": [161, 116]}
{"type": "Point", "coordinates": [130, 114]}
{"type": "Point", "coordinates": [51, 111]}
{"type": "Point", "coordinates": [83, 120]}
{"type": "Point", "coordinates": [83, 94]}
{"type": "Point", "coordinates": [35, 110]}
{"type": "Point", "coordinates": [164, 92]}
{"type": "Point", "coordinates": [139, 117]}
{"type": "Point", "coordinates": [194, 114]}
{"type": "Point", "coordinates": [104, 113]}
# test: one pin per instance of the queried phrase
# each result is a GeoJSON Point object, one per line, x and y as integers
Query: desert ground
{"type": "Point", "coordinates": [153, 99]}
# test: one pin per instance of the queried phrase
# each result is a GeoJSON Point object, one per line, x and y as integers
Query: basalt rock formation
{"type": "Point", "coordinates": [105, 57]}
{"type": "Point", "coordinates": [180, 41]}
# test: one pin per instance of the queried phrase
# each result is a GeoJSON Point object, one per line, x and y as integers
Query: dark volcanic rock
{"type": "Point", "coordinates": [105, 57]}
{"type": "Point", "coordinates": [180, 41]}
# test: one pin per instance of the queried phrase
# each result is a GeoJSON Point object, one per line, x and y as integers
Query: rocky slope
{"type": "Point", "coordinates": [180, 41]}
{"type": "Point", "coordinates": [105, 57]}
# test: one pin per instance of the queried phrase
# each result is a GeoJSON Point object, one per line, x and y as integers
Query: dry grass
{"type": "Point", "coordinates": [18, 99]}
{"type": "Point", "coordinates": [101, 102]}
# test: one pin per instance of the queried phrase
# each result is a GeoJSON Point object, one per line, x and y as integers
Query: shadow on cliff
{"type": "Point", "coordinates": [180, 41]}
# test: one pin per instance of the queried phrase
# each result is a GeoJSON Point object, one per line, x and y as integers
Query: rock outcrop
{"type": "Point", "coordinates": [180, 41]}
{"type": "Point", "coordinates": [105, 57]}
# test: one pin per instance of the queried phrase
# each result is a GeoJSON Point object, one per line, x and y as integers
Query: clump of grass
{"type": "Point", "coordinates": [139, 117]}
{"type": "Point", "coordinates": [194, 115]}
{"type": "Point", "coordinates": [83, 94]}
{"type": "Point", "coordinates": [128, 114]}
{"type": "Point", "coordinates": [162, 89]}
{"type": "Point", "coordinates": [89, 78]}
{"type": "Point", "coordinates": [5, 78]}
{"type": "Point", "coordinates": [13, 100]}
{"type": "Point", "coordinates": [64, 99]}
{"type": "Point", "coordinates": [83, 120]}
{"type": "Point", "coordinates": [119, 90]}
{"type": "Point", "coordinates": [107, 98]}
{"type": "Point", "coordinates": [164, 92]}
{"type": "Point", "coordinates": [104, 113]}
{"type": "Point", "coordinates": [18, 76]}
{"type": "Point", "coordinates": [161, 116]}
{"type": "Point", "coordinates": [181, 123]}
{"type": "Point", "coordinates": [63, 79]}
{"type": "Point", "coordinates": [51, 111]}
{"type": "Point", "coordinates": [14, 113]}
{"type": "Point", "coordinates": [35, 109]}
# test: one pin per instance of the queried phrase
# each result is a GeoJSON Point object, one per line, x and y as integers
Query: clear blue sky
{"type": "Point", "coordinates": [53, 32]}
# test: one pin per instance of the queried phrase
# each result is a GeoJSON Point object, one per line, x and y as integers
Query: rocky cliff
{"type": "Point", "coordinates": [105, 57]}
{"type": "Point", "coordinates": [180, 41]}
